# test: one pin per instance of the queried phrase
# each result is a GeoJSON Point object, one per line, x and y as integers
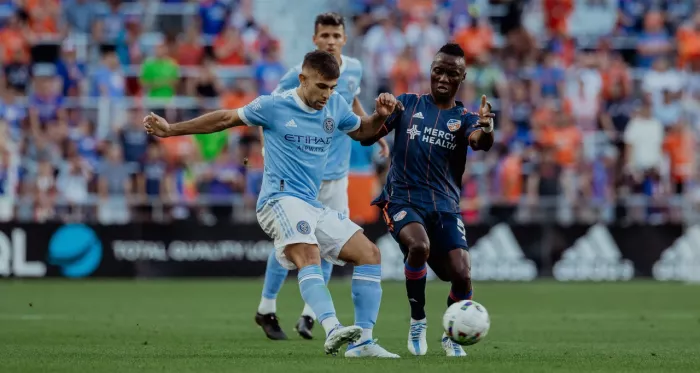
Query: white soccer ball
{"type": "Point", "coordinates": [466, 322]}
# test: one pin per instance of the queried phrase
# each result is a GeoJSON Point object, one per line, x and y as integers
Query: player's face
{"type": "Point", "coordinates": [317, 90]}
{"type": "Point", "coordinates": [446, 74]}
{"type": "Point", "coordinates": [330, 39]}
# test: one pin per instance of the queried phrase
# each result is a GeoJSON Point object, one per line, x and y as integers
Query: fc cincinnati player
{"type": "Point", "coordinates": [329, 36]}
{"type": "Point", "coordinates": [421, 197]}
{"type": "Point", "coordinates": [299, 125]}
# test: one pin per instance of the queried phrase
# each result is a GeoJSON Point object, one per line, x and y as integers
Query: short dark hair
{"type": "Point", "coordinates": [322, 62]}
{"type": "Point", "coordinates": [329, 19]}
{"type": "Point", "coordinates": [452, 49]}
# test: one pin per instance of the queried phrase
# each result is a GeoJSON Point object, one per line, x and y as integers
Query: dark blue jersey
{"type": "Point", "coordinates": [429, 154]}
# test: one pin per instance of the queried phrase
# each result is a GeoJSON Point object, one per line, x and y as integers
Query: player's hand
{"type": "Point", "coordinates": [485, 115]}
{"type": "Point", "coordinates": [386, 103]}
{"type": "Point", "coordinates": [383, 148]}
{"type": "Point", "coordinates": [156, 125]}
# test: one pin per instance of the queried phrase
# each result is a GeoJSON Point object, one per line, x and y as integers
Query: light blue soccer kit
{"type": "Point", "coordinates": [333, 192]}
{"type": "Point", "coordinates": [298, 139]}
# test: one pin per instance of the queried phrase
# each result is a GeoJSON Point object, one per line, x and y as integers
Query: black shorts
{"type": "Point", "coordinates": [445, 229]}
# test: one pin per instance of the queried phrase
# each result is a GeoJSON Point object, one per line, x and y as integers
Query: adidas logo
{"type": "Point", "coordinates": [681, 261]}
{"type": "Point", "coordinates": [392, 259]}
{"type": "Point", "coordinates": [498, 256]}
{"type": "Point", "coordinates": [291, 123]}
{"type": "Point", "coordinates": [595, 256]}
{"type": "Point", "coordinates": [418, 115]}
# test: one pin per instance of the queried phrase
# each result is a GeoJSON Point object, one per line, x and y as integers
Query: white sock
{"type": "Point", "coordinates": [267, 306]}
{"type": "Point", "coordinates": [329, 323]}
{"type": "Point", "coordinates": [366, 335]}
{"type": "Point", "coordinates": [308, 312]}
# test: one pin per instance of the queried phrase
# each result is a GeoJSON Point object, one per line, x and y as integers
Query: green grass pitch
{"type": "Point", "coordinates": [207, 326]}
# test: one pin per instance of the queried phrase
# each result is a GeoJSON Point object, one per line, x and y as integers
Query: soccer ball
{"type": "Point", "coordinates": [466, 322]}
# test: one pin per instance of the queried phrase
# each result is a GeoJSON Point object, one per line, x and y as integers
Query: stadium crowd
{"type": "Point", "coordinates": [593, 123]}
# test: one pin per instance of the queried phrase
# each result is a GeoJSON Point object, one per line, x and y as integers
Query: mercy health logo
{"type": "Point", "coordinates": [594, 257]}
{"type": "Point", "coordinates": [681, 261]}
{"type": "Point", "coordinates": [498, 256]}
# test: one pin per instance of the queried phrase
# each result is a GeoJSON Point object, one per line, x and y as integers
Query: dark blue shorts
{"type": "Point", "coordinates": [445, 229]}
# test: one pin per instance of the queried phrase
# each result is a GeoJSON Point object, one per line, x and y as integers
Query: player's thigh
{"type": "Point", "coordinates": [289, 221]}
{"type": "Point", "coordinates": [406, 224]}
{"type": "Point", "coordinates": [448, 250]}
{"type": "Point", "coordinates": [334, 195]}
{"type": "Point", "coordinates": [342, 241]}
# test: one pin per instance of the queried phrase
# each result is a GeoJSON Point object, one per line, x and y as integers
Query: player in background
{"type": "Point", "coordinates": [298, 127]}
{"type": "Point", "coordinates": [329, 36]}
{"type": "Point", "coordinates": [422, 193]}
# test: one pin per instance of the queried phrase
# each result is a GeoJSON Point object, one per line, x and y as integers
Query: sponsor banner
{"type": "Point", "coordinates": [499, 253]}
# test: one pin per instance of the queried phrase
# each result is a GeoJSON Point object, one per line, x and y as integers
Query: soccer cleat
{"type": "Point", "coordinates": [452, 349]}
{"type": "Point", "coordinates": [417, 342]}
{"type": "Point", "coordinates": [339, 336]}
{"type": "Point", "coordinates": [304, 327]}
{"type": "Point", "coordinates": [369, 348]}
{"type": "Point", "coordinates": [271, 326]}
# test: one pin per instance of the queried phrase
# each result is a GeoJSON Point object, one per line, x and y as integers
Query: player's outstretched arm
{"type": "Point", "coordinates": [483, 138]}
{"type": "Point", "coordinates": [208, 123]}
{"type": "Point", "coordinates": [370, 125]}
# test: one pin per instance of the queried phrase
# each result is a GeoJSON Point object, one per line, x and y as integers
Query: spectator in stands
{"type": "Point", "coordinates": [12, 112]}
{"type": "Point", "coordinates": [564, 139]}
{"type": "Point", "coordinates": [133, 140]}
{"type": "Point", "coordinates": [654, 42]}
{"type": "Point", "coordinates": [114, 188]}
{"type": "Point", "coordinates": [616, 113]}
{"type": "Point", "coordinates": [111, 21]}
{"type": "Point", "coordinates": [488, 79]}
{"type": "Point", "coordinates": [229, 49]}
{"type": "Point", "coordinates": [644, 138]}
{"type": "Point", "coordinates": [475, 37]}
{"type": "Point", "coordinates": [631, 15]}
{"type": "Point", "coordinates": [46, 101]}
{"type": "Point", "coordinates": [521, 108]}
{"type": "Point", "coordinates": [242, 92]}
{"type": "Point", "coordinates": [471, 201]}
{"type": "Point", "coordinates": [44, 20]}
{"type": "Point", "coordinates": [669, 110]}
{"type": "Point", "coordinates": [80, 14]}
{"type": "Point", "coordinates": [42, 186]}
{"type": "Point", "coordinates": [549, 77]}
{"type": "Point", "coordinates": [160, 74]}
{"type": "Point", "coordinates": [15, 40]}
{"type": "Point", "coordinates": [205, 84]}
{"type": "Point", "coordinates": [382, 45]}
{"type": "Point", "coordinates": [72, 186]}
{"type": "Point", "coordinates": [9, 169]}
{"type": "Point", "coordinates": [662, 77]}
{"type": "Point", "coordinates": [614, 72]}
{"type": "Point", "coordinates": [544, 183]}
{"type": "Point", "coordinates": [83, 136]}
{"type": "Point", "coordinates": [680, 147]}
{"type": "Point", "coordinates": [153, 177]}
{"type": "Point", "coordinates": [108, 78]}
{"type": "Point", "coordinates": [130, 45]}
{"type": "Point", "coordinates": [71, 71]}
{"type": "Point", "coordinates": [190, 50]}
{"type": "Point", "coordinates": [406, 73]}
{"type": "Point", "coordinates": [426, 38]}
{"type": "Point", "coordinates": [269, 70]}
{"type": "Point", "coordinates": [212, 17]}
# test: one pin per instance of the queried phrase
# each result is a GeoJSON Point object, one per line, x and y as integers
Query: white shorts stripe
{"type": "Point", "coordinates": [310, 277]}
{"type": "Point", "coordinates": [366, 278]}
{"type": "Point", "coordinates": [282, 219]}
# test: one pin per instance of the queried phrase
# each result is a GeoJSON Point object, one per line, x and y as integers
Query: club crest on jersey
{"type": "Point", "coordinates": [399, 215]}
{"type": "Point", "coordinates": [329, 125]}
{"type": "Point", "coordinates": [303, 227]}
{"type": "Point", "coordinates": [453, 125]}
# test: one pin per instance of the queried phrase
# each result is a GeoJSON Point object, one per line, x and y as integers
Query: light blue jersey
{"type": "Point", "coordinates": [348, 88]}
{"type": "Point", "coordinates": [297, 142]}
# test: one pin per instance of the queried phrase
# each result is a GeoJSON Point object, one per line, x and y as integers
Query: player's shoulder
{"type": "Point", "coordinates": [352, 62]}
{"type": "Point", "coordinates": [409, 98]}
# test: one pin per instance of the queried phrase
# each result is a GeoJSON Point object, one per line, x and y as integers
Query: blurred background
{"type": "Point", "coordinates": [598, 106]}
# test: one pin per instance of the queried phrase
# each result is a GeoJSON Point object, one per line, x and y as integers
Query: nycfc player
{"type": "Point", "coordinates": [299, 127]}
{"type": "Point", "coordinates": [422, 193]}
{"type": "Point", "coordinates": [329, 35]}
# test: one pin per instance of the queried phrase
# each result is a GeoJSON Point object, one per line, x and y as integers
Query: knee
{"type": "Point", "coordinates": [371, 255]}
{"type": "Point", "coordinates": [303, 255]}
{"type": "Point", "coordinates": [419, 249]}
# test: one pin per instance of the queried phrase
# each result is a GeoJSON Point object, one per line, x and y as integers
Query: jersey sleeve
{"type": "Point", "coordinates": [395, 118]}
{"type": "Point", "coordinates": [347, 120]}
{"type": "Point", "coordinates": [289, 80]}
{"type": "Point", "coordinates": [469, 121]}
{"type": "Point", "coordinates": [258, 112]}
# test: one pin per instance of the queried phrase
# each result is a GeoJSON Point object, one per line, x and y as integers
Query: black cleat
{"type": "Point", "coordinates": [305, 327]}
{"type": "Point", "coordinates": [271, 326]}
